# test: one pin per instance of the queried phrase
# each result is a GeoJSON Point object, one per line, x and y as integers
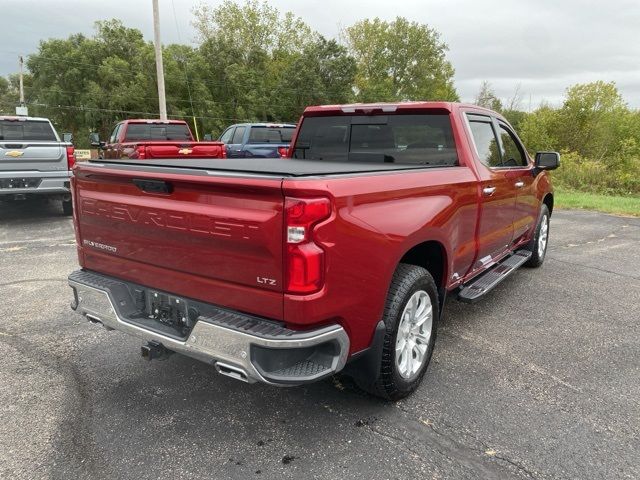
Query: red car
{"type": "Point", "coordinates": [144, 139]}
{"type": "Point", "coordinates": [285, 271]}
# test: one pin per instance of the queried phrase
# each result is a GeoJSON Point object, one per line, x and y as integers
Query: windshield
{"type": "Point", "coordinates": [421, 139]}
{"type": "Point", "coordinates": [271, 134]}
{"type": "Point", "coordinates": [153, 131]}
{"type": "Point", "coordinates": [26, 130]}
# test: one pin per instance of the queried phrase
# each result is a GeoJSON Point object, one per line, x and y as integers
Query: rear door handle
{"type": "Point", "coordinates": [519, 184]}
{"type": "Point", "coordinates": [488, 191]}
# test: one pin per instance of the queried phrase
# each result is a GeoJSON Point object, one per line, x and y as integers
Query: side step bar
{"type": "Point", "coordinates": [486, 282]}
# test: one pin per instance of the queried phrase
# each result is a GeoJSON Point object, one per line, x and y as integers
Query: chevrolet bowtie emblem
{"type": "Point", "coordinates": [185, 151]}
{"type": "Point", "coordinates": [14, 153]}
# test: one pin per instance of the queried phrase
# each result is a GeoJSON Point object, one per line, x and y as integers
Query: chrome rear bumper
{"type": "Point", "coordinates": [238, 345]}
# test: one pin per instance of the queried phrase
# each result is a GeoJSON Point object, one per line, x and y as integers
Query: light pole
{"type": "Point", "coordinates": [162, 101]}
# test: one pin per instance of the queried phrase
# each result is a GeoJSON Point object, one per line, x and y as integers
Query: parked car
{"type": "Point", "coordinates": [285, 271]}
{"type": "Point", "coordinates": [144, 139]}
{"type": "Point", "coordinates": [34, 161]}
{"type": "Point", "coordinates": [263, 140]}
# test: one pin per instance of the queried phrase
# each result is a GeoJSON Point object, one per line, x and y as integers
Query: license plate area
{"type": "Point", "coordinates": [7, 183]}
{"type": "Point", "coordinates": [169, 311]}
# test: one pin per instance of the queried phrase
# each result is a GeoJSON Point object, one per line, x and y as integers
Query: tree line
{"type": "Point", "coordinates": [252, 62]}
{"type": "Point", "coordinates": [594, 129]}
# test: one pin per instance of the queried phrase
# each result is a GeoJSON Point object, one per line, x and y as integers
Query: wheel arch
{"type": "Point", "coordinates": [431, 255]}
{"type": "Point", "coordinates": [548, 201]}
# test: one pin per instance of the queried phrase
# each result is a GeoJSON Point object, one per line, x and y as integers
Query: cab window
{"type": "Point", "coordinates": [114, 135]}
{"type": "Point", "coordinates": [239, 135]}
{"type": "Point", "coordinates": [512, 153]}
{"type": "Point", "coordinates": [227, 135]}
{"type": "Point", "coordinates": [485, 140]}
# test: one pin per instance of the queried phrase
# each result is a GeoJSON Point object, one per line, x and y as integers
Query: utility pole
{"type": "Point", "coordinates": [22, 109]}
{"type": "Point", "coordinates": [21, 61]}
{"type": "Point", "coordinates": [162, 101]}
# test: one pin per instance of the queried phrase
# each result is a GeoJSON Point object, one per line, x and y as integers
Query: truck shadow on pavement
{"type": "Point", "coordinates": [30, 209]}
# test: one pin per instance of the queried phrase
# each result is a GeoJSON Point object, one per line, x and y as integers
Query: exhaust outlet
{"type": "Point", "coordinates": [95, 320]}
{"type": "Point", "coordinates": [231, 371]}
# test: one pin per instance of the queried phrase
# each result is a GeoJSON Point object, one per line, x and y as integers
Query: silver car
{"type": "Point", "coordinates": [33, 161]}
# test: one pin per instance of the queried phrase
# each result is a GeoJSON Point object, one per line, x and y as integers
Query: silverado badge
{"type": "Point", "coordinates": [14, 153]}
{"type": "Point", "coordinates": [185, 151]}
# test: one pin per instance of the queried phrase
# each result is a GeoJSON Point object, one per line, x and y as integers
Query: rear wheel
{"type": "Point", "coordinates": [538, 244]}
{"type": "Point", "coordinates": [410, 318]}
{"type": "Point", "coordinates": [67, 207]}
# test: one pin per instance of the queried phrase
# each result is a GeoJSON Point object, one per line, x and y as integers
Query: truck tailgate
{"type": "Point", "coordinates": [28, 155]}
{"type": "Point", "coordinates": [184, 150]}
{"type": "Point", "coordinates": [212, 238]}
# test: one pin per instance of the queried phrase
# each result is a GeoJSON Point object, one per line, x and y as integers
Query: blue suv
{"type": "Point", "coordinates": [258, 140]}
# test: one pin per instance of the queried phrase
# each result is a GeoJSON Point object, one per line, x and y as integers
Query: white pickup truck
{"type": "Point", "coordinates": [34, 161]}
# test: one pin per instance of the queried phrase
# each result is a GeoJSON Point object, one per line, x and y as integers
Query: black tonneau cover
{"type": "Point", "coordinates": [263, 166]}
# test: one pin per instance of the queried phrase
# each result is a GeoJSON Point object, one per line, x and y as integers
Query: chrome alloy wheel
{"type": "Point", "coordinates": [543, 235]}
{"type": "Point", "coordinates": [414, 333]}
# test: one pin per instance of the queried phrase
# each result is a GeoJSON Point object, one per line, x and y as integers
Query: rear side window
{"type": "Point", "coordinates": [26, 130]}
{"type": "Point", "coordinates": [271, 134]}
{"type": "Point", "coordinates": [153, 131]}
{"type": "Point", "coordinates": [485, 141]}
{"type": "Point", "coordinates": [420, 139]}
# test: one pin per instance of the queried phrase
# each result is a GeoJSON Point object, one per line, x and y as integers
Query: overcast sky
{"type": "Point", "coordinates": [541, 45]}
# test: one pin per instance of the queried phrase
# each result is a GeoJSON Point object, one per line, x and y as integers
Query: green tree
{"type": "Point", "coordinates": [4, 86]}
{"type": "Point", "coordinates": [248, 47]}
{"type": "Point", "coordinates": [590, 119]}
{"type": "Point", "coordinates": [399, 60]}
{"type": "Point", "coordinates": [322, 73]}
{"type": "Point", "coordinates": [538, 130]}
{"type": "Point", "coordinates": [487, 98]}
{"type": "Point", "coordinates": [88, 83]}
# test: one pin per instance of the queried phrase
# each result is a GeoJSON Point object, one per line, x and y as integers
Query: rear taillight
{"type": "Point", "coordinates": [224, 151]}
{"type": "Point", "coordinates": [304, 272]}
{"type": "Point", "coordinates": [71, 157]}
{"type": "Point", "coordinates": [283, 151]}
{"type": "Point", "coordinates": [142, 152]}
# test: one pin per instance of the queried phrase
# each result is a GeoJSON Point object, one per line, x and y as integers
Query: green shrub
{"type": "Point", "coordinates": [619, 176]}
{"type": "Point", "coordinates": [598, 136]}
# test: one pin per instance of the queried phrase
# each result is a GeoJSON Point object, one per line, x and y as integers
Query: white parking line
{"type": "Point", "coordinates": [39, 240]}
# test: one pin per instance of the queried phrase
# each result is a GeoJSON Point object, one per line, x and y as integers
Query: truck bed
{"type": "Point", "coordinates": [282, 167]}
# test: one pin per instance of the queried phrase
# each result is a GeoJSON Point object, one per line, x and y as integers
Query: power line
{"type": "Point", "coordinates": [132, 112]}
{"type": "Point", "coordinates": [128, 72]}
{"type": "Point", "coordinates": [174, 100]}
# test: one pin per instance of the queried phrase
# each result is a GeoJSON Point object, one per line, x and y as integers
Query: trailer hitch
{"type": "Point", "coordinates": [155, 351]}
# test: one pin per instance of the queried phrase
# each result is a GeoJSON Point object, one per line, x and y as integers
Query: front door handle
{"type": "Point", "coordinates": [488, 191]}
{"type": "Point", "coordinates": [519, 184]}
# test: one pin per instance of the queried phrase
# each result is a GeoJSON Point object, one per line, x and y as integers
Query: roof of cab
{"type": "Point", "coordinates": [389, 107]}
{"type": "Point", "coordinates": [153, 120]}
{"type": "Point", "coordinates": [268, 125]}
{"type": "Point", "coordinates": [20, 118]}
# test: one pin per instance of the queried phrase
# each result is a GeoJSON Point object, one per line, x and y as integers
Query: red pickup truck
{"type": "Point", "coordinates": [285, 271]}
{"type": "Point", "coordinates": [140, 139]}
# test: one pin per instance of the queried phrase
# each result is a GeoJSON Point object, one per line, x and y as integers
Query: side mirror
{"type": "Point", "coordinates": [94, 140]}
{"type": "Point", "coordinates": [207, 137]}
{"type": "Point", "coordinates": [547, 160]}
{"type": "Point", "coordinates": [67, 137]}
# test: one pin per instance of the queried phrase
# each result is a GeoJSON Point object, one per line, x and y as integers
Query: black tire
{"type": "Point", "coordinates": [67, 207]}
{"type": "Point", "coordinates": [390, 384]}
{"type": "Point", "coordinates": [538, 255]}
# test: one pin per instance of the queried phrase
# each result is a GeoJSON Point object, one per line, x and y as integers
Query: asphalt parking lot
{"type": "Point", "coordinates": [540, 380]}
